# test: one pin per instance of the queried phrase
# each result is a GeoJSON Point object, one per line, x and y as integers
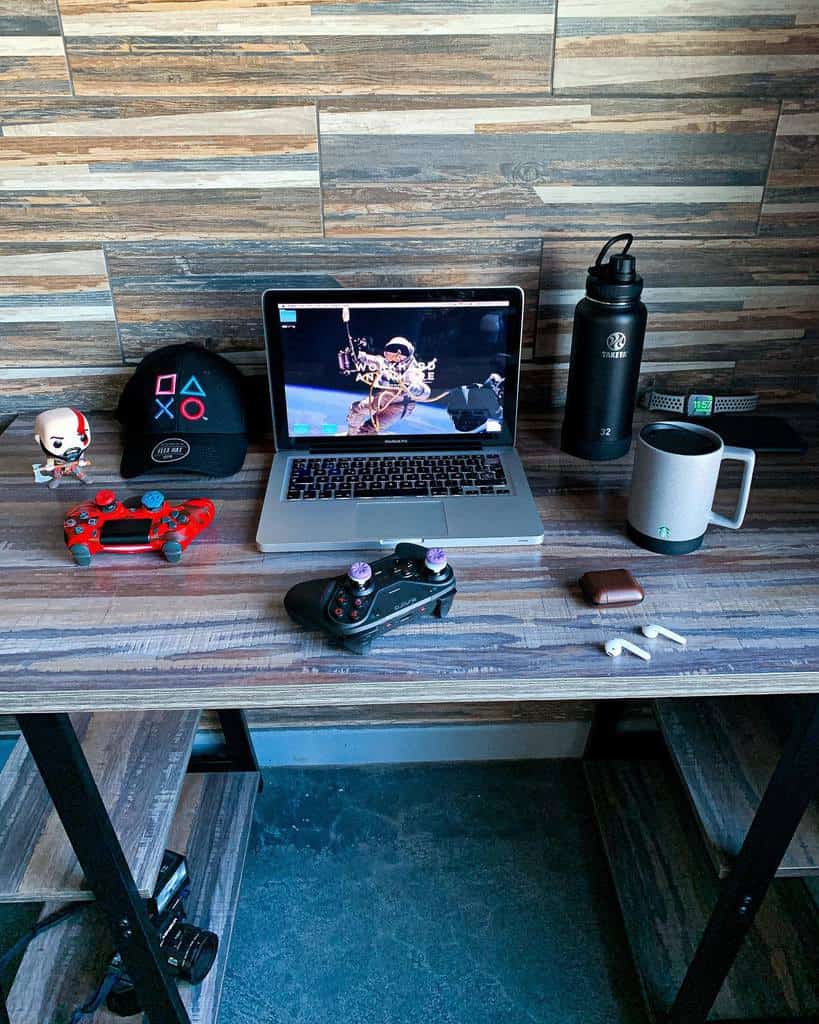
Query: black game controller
{"type": "Point", "coordinates": [370, 600]}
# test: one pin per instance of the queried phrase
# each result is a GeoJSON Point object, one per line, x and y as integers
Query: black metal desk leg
{"type": "Point", "coordinates": [62, 764]}
{"type": "Point", "coordinates": [238, 744]}
{"type": "Point", "coordinates": [237, 754]}
{"type": "Point", "coordinates": [793, 785]}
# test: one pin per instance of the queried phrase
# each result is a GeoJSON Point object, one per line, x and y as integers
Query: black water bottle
{"type": "Point", "coordinates": [607, 346]}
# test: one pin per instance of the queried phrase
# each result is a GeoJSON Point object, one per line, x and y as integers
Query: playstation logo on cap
{"type": "Point", "coordinates": [183, 411]}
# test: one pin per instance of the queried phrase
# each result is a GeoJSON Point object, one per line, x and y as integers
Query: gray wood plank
{"type": "Point", "coordinates": [62, 967]}
{"type": "Point", "coordinates": [667, 888]}
{"type": "Point", "coordinates": [139, 760]}
{"type": "Point", "coordinates": [725, 750]}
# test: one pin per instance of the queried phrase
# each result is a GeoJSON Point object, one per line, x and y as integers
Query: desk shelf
{"type": "Point", "coordinates": [667, 888]}
{"type": "Point", "coordinates": [139, 760]}
{"type": "Point", "coordinates": [725, 750]}
{"type": "Point", "coordinates": [64, 965]}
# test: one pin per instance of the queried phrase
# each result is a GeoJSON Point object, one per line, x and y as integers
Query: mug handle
{"type": "Point", "coordinates": [747, 456]}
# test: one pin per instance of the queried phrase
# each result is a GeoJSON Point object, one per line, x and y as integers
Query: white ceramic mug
{"type": "Point", "coordinates": [676, 469]}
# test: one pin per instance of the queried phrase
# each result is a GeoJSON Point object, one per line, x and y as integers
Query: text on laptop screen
{"type": "Point", "coordinates": [394, 368]}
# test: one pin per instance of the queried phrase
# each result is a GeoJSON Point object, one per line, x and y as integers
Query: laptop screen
{"type": "Point", "coordinates": [389, 367]}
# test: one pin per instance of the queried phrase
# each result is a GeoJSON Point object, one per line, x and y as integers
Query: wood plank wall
{"type": "Point", "coordinates": [161, 164]}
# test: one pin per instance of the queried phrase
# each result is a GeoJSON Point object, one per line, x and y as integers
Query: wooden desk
{"type": "Point", "coordinates": [211, 632]}
{"type": "Point", "coordinates": [135, 632]}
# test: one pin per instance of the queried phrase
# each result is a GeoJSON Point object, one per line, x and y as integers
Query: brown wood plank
{"type": "Point", "coordinates": [731, 47]}
{"type": "Point", "coordinates": [63, 966]}
{"type": "Point", "coordinates": [523, 712]}
{"type": "Point", "coordinates": [225, 171]}
{"type": "Point", "coordinates": [667, 889]}
{"type": "Point", "coordinates": [791, 205]}
{"type": "Point", "coordinates": [34, 388]}
{"type": "Point", "coordinates": [271, 47]}
{"type": "Point", "coordinates": [212, 632]}
{"type": "Point", "coordinates": [553, 168]}
{"type": "Point", "coordinates": [56, 307]}
{"type": "Point", "coordinates": [420, 714]}
{"type": "Point", "coordinates": [32, 51]}
{"type": "Point", "coordinates": [139, 761]}
{"type": "Point", "coordinates": [211, 291]}
{"type": "Point", "coordinates": [725, 750]}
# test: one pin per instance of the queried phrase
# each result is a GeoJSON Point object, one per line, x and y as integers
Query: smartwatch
{"type": "Point", "coordinates": [698, 405]}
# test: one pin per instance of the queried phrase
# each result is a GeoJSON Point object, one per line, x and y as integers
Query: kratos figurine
{"type": "Point", "coordinates": [64, 436]}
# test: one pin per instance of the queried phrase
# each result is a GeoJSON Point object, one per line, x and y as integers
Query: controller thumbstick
{"type": "Point", "coordinates": [106, 501]}
{"type": "Point", "coordinates": [360, 573]}
{"type": "Point", "coordinates": [435, 560]}
{"type": "Point", "coordinates": [152, 500]}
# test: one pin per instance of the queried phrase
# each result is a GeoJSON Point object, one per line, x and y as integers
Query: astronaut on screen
{"type": "Point", "coordinates": [396, 381]}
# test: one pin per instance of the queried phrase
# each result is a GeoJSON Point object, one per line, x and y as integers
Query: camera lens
{"type": "Point", "coordinates": [190, 951]}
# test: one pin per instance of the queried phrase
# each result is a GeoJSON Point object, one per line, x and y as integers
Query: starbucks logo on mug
{"type": "Point", "coordinates": [615, 342]}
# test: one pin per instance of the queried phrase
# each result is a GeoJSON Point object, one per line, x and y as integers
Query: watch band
{"type": "Point", "coordinates": [735, 403]}
{"type": "Point", "coordinates": [665, 401]}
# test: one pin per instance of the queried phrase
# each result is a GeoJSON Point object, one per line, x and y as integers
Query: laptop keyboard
{"type": "Point", "coordinates": [395, 476]}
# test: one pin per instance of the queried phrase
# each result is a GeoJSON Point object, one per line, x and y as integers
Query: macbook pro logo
{"type": "Point", "coordinates": [172, 449]}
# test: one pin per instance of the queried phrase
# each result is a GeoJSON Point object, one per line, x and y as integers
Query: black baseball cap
{"type": "Point", "coordinates": [183, 412]}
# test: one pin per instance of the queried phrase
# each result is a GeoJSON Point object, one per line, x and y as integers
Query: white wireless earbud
{"type": "Point", "coordinates": [615, 647]}
{"type": "Point", "coordinates": [652, 631]}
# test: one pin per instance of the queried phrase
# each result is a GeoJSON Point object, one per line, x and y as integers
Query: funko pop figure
{"type": "Point", "coordinates": [64, 436]}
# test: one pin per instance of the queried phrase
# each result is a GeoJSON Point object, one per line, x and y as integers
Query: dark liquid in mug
{"type": "Point", "coordinates": [678, 441]}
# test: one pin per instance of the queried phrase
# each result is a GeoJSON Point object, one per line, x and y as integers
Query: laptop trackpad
{"type": "Point", "coordinates": [397, 520]}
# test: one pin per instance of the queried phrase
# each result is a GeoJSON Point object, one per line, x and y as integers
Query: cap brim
{"type": "Point", "coordinates": [210, 455]}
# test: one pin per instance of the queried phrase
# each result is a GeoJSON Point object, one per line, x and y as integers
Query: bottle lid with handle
{"type": "Point", "coordinates": [616, 280]}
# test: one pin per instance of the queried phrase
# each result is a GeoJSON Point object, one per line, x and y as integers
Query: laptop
{"type": "Point", "coordinates": [394, 413]}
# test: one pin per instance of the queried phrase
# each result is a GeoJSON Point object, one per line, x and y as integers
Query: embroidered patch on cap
{"type": "Point", "coordinates": [172, 449]}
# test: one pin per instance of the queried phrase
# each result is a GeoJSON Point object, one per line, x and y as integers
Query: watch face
{"type": "Point", "coordinates": [699, 405]}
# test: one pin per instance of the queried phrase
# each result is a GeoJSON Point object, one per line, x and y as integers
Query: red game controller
{"type": "Point", "coordinates": [149, 523]}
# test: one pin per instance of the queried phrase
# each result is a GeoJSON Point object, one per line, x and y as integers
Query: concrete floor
{"type": "Point", "coordinates": [433, 894]}
{"type": "Point", "coordinates": [426, 894]}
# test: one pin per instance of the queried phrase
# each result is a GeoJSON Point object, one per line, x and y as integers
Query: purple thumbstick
{"type": "Point", "coordinates": [435, 559]}
{"type": "Point", "coordinates": [360, 573]}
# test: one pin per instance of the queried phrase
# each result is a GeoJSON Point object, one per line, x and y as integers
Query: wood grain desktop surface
{"type": "Point", "coordinates": [134, 631]}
